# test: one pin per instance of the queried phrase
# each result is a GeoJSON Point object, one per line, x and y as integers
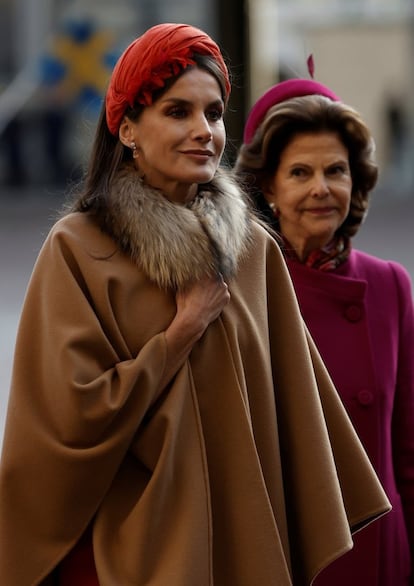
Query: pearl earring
{"type": "Point", "coordinates": [134, 150]}
{"type": "Point", "coordinates": [274, 209]}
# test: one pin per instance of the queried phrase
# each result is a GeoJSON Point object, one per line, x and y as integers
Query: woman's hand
{"type": "Point", "coordinates": [201, 304]}
{"type": "Point", "coordinates": [197, 307]}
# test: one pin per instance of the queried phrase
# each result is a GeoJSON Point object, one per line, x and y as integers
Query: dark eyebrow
{"type": "Point", "coordinates": [343, 161]}
{"type": "Point", "coordinates": [183, 102]}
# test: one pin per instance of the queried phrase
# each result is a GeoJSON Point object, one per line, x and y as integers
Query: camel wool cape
{"type": "Point", "coordinates": [243, 470]}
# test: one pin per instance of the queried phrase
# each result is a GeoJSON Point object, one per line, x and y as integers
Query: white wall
{"type": "Point", "coordinates": [365, 65]}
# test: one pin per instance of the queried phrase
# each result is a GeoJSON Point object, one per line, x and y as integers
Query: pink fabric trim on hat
{"type": "Point", "coordinates": [285, 90]}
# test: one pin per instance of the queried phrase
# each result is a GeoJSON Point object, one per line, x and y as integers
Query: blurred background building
{"type": "Point", "coordinates": [56, 57]}
{"type": "Point", "coordinates": [364, 49]}
{"type": "Point", "coordinates": [55, 61]}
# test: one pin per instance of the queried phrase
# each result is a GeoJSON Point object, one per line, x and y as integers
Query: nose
{"type": "Point", "coordinates": [202, 130]}
{"type": "Point", "coordinates": [319, 186]}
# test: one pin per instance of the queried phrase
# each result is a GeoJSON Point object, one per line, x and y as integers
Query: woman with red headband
{"type": "Point", "coordinates": [309, 162]}
{"type": "Point", "coordinates": [170, 421]}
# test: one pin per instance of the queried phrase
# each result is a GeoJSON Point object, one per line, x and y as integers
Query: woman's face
{"type": "Point", "coordinates": [311, 190]}
{"type": "Point", "coordinates": [180, 138]}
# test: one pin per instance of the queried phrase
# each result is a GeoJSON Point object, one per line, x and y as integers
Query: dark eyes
{"type": "Point", "coordinates": [337, 170]}
{"type": "Point", "coordinates": [298, 172]}
{"type": "Point", "coordinates": [215, 114]}
{"type": "Point", "coordinates": [334, 170]}
{"type": "Point", "coordinates": [179, 112]}
{"type": "Point", "coordinates": [176, 112]}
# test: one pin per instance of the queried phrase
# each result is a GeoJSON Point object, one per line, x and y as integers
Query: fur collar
{"type": "Point", "coordinates": [177, 244]}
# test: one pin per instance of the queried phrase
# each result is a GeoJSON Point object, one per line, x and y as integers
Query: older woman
{"type": "Point", "coordinates": [169, 422]}
{"type": "Point", "coordinates": [308, 159]}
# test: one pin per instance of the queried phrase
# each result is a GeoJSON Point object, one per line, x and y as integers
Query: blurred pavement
{"type": "Point", "coordinates": [25, 218]}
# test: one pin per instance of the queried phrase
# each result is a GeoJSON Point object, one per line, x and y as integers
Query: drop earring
{"type": "Point", "coordinates": [134, 150]}
{"type": "Point", "coordinates": [274, 209]}
{"type": "Point", "coordinates": [135, 156]}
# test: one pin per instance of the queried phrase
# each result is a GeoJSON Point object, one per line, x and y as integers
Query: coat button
{"type": "Point", "coordinates": [353, 313]}
{"type": "Point", "coordinates": [365, 397]}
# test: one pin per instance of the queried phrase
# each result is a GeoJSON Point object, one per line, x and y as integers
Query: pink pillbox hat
{"type": "Point", "coordinates": [285, 90]}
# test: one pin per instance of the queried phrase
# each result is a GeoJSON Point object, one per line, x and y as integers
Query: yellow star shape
{"type": "Point", "coordinates": [84, 62]}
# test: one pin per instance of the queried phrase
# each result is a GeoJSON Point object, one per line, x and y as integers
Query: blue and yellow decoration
{"type": "Point", "coordinates": [78, 64]}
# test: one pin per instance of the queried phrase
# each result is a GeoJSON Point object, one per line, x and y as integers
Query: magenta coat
{"type": "Point", "coordinates": [361, 317]}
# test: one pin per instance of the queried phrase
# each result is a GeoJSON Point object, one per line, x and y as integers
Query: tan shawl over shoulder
{"type": "Point", "coordinates": [245, 470]}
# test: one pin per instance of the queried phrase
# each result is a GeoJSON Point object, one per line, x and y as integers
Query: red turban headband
{"type": "Point", "coordinates": [161, 52]}
{"type": "Point", "coordinates": [285, 90]}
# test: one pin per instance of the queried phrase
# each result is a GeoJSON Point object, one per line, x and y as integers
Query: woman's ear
{"type": "Point", "coordinates": [126, 134]}
{"type": "Point", "coordinates": [267, 189]}
{"type": "Point", "coordinates": [269, 194]}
